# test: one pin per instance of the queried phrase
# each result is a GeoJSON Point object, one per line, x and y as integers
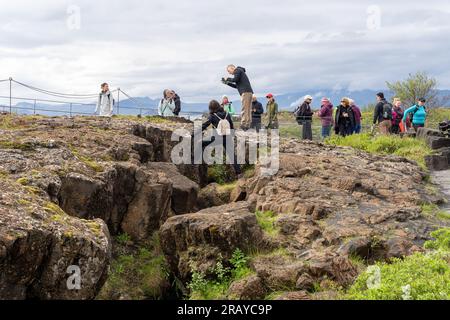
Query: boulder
{"type": "Point", "coordinates": [437, 162]}
{"type": "Point", "coordinates": [41, 247]}
{"type": "Point", "coordinates": [213, 195]}
{"type": "Point", "coordinates": [224, 228]}
{"type": "Point", "coordinates": [437, 142]}
{"type": "Point", "coordinates": [250, 288]}
{"type": "Point", "coordinates": [184, 190]}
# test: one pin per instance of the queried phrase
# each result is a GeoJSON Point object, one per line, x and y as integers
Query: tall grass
{"type": "Point", "coordinates": [409, 148]}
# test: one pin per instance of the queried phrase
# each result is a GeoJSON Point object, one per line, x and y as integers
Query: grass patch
{"type": "Point", "coordinates": [219, 173]}
{"type": "Point", "coordinates": [137, 274]}
{"type": "Point", "coordinates": [409, 148]}
{"type": "Point", "coordinates": [432, 210]}
{"type": "Point", "coordinates": [91, 163]}
{"type": "Point", "coordinates": [15, 145]}
{"type": "Point", "coordinates": [23, 181]}
{"type": "Point", "coordinates": [205, 289]}
{"type": "Point", "coordinates": [422, 276]}
{"type": "Point", "coordinates": [266, 221]}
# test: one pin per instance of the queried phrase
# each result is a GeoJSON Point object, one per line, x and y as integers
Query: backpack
{"type": "Point", "coordinates": [223, 127]}
{"type": "Point", "coordinates": [387, 111]}
{"type": "Point", "coordinates": [177, 109]}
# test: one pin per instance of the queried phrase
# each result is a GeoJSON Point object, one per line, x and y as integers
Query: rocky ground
{"type": "Point", "coordinates": [72, 187]}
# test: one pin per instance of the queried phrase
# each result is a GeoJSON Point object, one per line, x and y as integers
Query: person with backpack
{"type": "Point", "coordinates": [326, 117]}
{"type": "Point", "coordinates": [177, 100]}
{"type": "Point", "coordinates": [222, 122]}
{"type": "Point", "coordinates": [105, 103]}
{"type": "Point", "coordinates": [167, 106]}
{"type": "Point", "coordinates": [227, 105]}
{"type": "Point", "coordinates": [257, 112]}
{"type": "Point", "coordinates": [272, 111]}
{"type": "Point", "coordinates": [397, 116]}
{"type": "Point", "coordinates": [417, 113]}
{"type": "Point", "coordinates": [345, 120]}
{"type": "Point", "coordinates": [383, 114]}
{"type": "Point", "coordinates": [241, 82]}
{"type": "Point", "coordinates": [358, 117]}
{"type": "Point", "coordinates": [304, 117]}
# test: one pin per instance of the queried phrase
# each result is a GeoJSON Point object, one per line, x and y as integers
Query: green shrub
{"type": "Point", "coordinates": [441, 242]}
{"type": "Point", "coordinates": [216, 289]}
{"type": "Point", "coordinates": [418, 277]}
{"type": "Point", "coordinates": [422, 276]}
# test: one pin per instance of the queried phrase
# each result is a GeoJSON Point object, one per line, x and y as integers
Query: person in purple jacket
{"type": "Point", "coordinates": [326, 116]}
{"type": "Point", "coordinates": [358, 117]}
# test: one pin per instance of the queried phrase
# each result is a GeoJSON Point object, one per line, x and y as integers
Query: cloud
{"type": "Point", "coordinates": [287, 46]}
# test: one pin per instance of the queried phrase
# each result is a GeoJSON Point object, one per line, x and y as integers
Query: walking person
{"type": "Point", "coordinates": [358, 117]}
{"type": "Point", "coordinates": [304, 117]}
{"type": "Point", "coordinates": [241, 82]}
{"type": "Point", "coordinates": [383, 114]}
{"type": "Point", "coordinates": [167, 106]}
{"type": "Point", "coordinates": [272, 112]}
{"type": "Point", "coordinates": [326, 117]}
{"type": "Point", "coordinates": [397, 116]}
{"type": "Point", "coordinates": [417, 113]}
{"type": "Point", "coordinates": [227, 105]}
{"type": "Point", "coordinates": [257, 112]}
{"type": "Point", "coordinates": [105, 103]}
{"type": "Point", "coordinates": [216, 115]}
{"type": "Point", "coordinates": [345, 118]}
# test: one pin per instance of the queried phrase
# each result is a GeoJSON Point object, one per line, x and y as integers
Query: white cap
{"type": "Point", "coordinates": [308, 97]}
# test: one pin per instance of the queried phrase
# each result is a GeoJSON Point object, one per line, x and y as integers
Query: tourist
{"type": "Point", "coordinates": [105, 103]}
{"type": "Point", "coordinates": [272, 112]}
{"type": "Point", "coordinates": [227, 105]}
{"type": "Point", "coordinates": [304, 117]}
{"type": "Point", "coordinates": [257, 112]}
{"type": "Point", "coordinates": [417, 114]}
{"type": "Point", "coordinates": [397, 116]}
{"type": "Point", "coordinates": [216, 115]}
{"type": "Point", "coordinates": [383, 114]}
{"type": "Point", "coordinates": [241, 82]}
{"type": "Point", "coordinates": [345, 118]}
{"type": "Point", "coordinates": [358, 116]}
{"type": "Point", "coordinates": [326, 117]}
{"type": "Point", "coordinates": [166, 107]}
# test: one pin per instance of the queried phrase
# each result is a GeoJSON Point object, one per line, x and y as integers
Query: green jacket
{"type": "Point", "coordinates": [272, 111]}
{"type": "Point", "coordinates": [229, 108]}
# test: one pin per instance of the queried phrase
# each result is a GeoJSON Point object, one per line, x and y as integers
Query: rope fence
{"type": "Point", "coordinates": [69, 103]}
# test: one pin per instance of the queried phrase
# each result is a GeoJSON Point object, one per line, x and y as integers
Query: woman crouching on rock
{"type": "Point", "coordinates": [223, 125]}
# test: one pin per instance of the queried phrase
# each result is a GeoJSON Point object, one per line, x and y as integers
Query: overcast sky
{"type": "Point", "coordinates": [286, 45]}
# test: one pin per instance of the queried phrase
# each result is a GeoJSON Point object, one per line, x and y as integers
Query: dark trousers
{"type": "Point", "coordinates": [395, 129]}
{"type": "Point", "coordinates": [345, 129]}
{"type": "Point", "coordinates": [228, 151]}
{"type": "Point", "coordinates": [307, 130]}
{"type": "Point", "coordinates": [417, 126]}
{"type": "Point", "coordinates": [256, 124]}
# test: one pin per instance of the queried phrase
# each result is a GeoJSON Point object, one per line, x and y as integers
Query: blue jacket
{"type": "Point", "coordinates": [420, 114]}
